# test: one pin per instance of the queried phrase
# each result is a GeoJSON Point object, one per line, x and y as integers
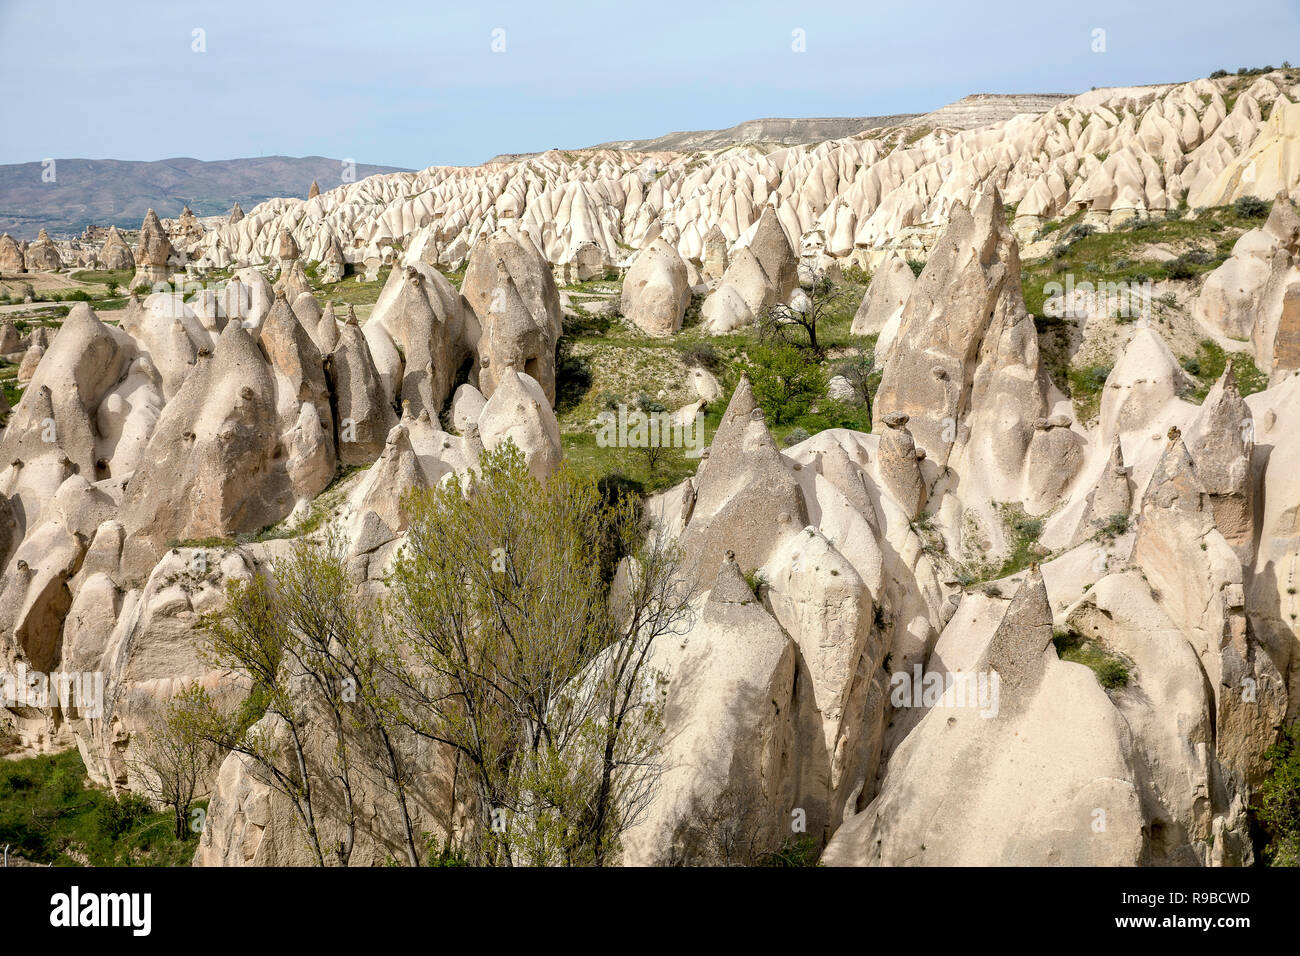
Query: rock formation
{"type": "Point", "coordinates": [11, 256]}
{"type": "Point", "coordinates": [41, 256]}
{"type": "Point", "coordinates": [116, 254]}
{"type": "Point", "coordinates": [655, 290]}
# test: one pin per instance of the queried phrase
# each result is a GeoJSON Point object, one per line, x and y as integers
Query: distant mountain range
{"type": "Point", "coordinates": [789, 132]}
{"type": "Point", "coordinates": [118, 192]}
{"type": "Point", "coordinates": [979, 109]}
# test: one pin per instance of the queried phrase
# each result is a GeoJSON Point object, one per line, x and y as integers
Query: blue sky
{"type": "Point", "coordinates": [417, 83]}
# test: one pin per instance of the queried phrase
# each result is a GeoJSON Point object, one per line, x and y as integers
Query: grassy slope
{"type": "Point", "coordinates": [605, 361]}
{"type": "Point", "coordinates": [1115, 257]}
{"type": "Point", "coordinates": [50, 814]}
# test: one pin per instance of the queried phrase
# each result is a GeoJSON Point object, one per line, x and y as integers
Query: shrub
{"type": "Point", "coordinates": [795, 437]}
{"type": "Point", "coordinates": [856, 274]}
{"type": "Point", "coordinates": [916, 265]}
{"type": "Point", "coordinates": [1252, 207]}
{"type": "Point", "coordinates": [120, 816]}
{"type": "Point", "coordinates": [1179, 268]}
{"type": "Point", "coordinates": [786, 380]}
{"type": "Point", "coordinates": [649, 405]}
{"type": "Point", "coordinates": [1111, 669]}
{"type": "Point", "coordinates": [572, 379]}
{"type": "Point", "coordinates": [702, 355]}
{"type": "Point", "coordinates": [803, 851]}
{"type": "Point", "coordinates": [1279, 801]}
{"type": "Point", "coordinates": [1112, 526]}
{"type": "Point", "coordinates": [1209, 362]}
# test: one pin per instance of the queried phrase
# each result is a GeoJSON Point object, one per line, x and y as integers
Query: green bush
{"type": "Point", "coordinates": [1112, 526]}
{"type": "Point", "coordinates": [1208, 363]}
{"type": "Point", "coordinates": [50, 814]}
{"type": "Point", "coordinates": [803, 851]}
{"type": "Point", "coordinates": [1252, 207]}
{"type": "Point", "coordinates": [650, 406]}
{"type": "Point", "coordinates": [702, 355]}
{"type": "Point", "coordinates": [120, 816]}
{"type": "Point", "coordinates": [757, 581]}
{"type": "Point", "coordinates": [572, 379]}
{"type": "Point", "coordinates": [1279, 801]}
{"type": "Point", "coordinates": [786, 380]}
{"type": "Point", "coordinates": [1111, 669]}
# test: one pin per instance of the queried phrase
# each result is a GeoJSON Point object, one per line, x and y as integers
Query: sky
{"type": "Point", "coordinates": [416, 84]}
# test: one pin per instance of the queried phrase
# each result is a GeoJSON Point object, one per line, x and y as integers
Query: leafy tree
{"type": "Point", "coordinates": [249, 638]}
{"type": "Point", "coordinates": [862, 375]}
{"type": "Point", "coordinates": [519, 647]}
{"type": "Point", "coordinates": [810, 305]}
{"type": "Point", "coordinates": [786, 380]}
{"type": "Point", "coordinates": [337, 645]}
{"type": "Point", "coordinates": [170, 758]}
{"type": "Point", "coordinates": [1279, 809]}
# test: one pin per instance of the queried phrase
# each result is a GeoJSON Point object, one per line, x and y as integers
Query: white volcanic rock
{"type": "Point", "coordinates": [1255, 295]}
{"type": "Point", "coordinates": [891, 284]}
{"type": "Point", "coordinates": [1199, 582]}
{"type": "Point", "coordinates": [831, 567]}
{"type": "Point", "coordinates": [511, 292]}
{"type": "Point", "coordinates": [655, 290]}
{"type": "Point", "coordinates": [1024, 786]}
{"type": "Point", "coordinates": [518, 411]}
{"type": "Point", "coordinates": [731, 744]}
{"type": "Point", "coordinates": [416, 334]}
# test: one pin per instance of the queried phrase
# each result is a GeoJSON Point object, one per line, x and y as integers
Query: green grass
{"type": "Point", "coordinates": [1111, 669]}
{"type": "Point", "coordinates": [9, 383]}
{"type": "Point", "coordinates": [632, 468]}
{"type": "Point", "coordinates": [348, 291]}
{"type": "Point", "coordinates": [1111, 256]}
{"type": "Point", "coordinates": [105, 276]}
{"type": "Point", "coordinates": [1086, 386]}
{"type": "Point", "coordinates": [610, 283]}
{"type": "Point", "coordinates": [455, 277]}
{"type": "Point", "coordinates": [1210, 360]}
{"type": "Point", "coordinates": [605, 360]}
{"type": "Point", "coordinates": [1022, 532]}
{"type": "Point", "coordinates": [50, 814]}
